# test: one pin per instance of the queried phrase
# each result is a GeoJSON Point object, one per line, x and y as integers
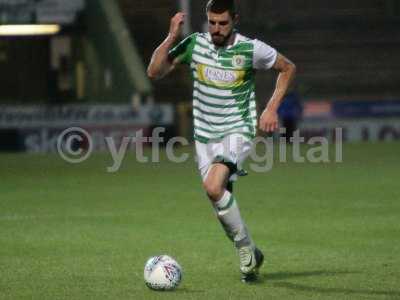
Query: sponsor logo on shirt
{"type": "Point", "coordinates": [220, 77]}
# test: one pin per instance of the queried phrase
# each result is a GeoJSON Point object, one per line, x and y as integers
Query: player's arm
{"type": "Point", "coordinates": [161, 64]}
{"type": "Point", "coordinates": [287, 71]}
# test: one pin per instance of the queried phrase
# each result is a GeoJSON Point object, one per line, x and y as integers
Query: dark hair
{"type": "Point", "coordinates": [221, 6]}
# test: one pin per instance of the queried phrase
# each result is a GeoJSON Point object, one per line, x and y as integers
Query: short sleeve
{"type": "Point", "coordinates": [183, 51]}
{"type": "Point", "coordinates": [264, 56]}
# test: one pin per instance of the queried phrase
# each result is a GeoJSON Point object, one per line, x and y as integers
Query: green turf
{"type": "Point", "coordinates": [329, 231]}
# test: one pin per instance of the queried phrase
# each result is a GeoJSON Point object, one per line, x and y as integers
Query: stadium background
{"type": "Point", "coordinates": [76, 231]}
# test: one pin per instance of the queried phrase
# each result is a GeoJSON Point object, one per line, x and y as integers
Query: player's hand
{"type": "Point", "coordinates": [269, 120]}
{"type": "Point", "coordinates": [175, 26]}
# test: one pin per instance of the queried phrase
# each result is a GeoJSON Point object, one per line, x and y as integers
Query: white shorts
{"type": "Point", "coordinates": [234, 148]}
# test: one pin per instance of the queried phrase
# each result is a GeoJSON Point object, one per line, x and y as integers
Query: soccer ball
{"type": "Point", "coordinates": [162, 273]}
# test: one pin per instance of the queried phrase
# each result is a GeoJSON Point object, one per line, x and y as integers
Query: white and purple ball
{"type": "Point", "coordinates": [162, 273]}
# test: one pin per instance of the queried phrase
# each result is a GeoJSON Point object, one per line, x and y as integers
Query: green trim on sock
{"type": "Point", "coordinates": [229, 204]}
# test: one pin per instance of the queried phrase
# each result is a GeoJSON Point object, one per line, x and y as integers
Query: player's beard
{"type": "Point", "coordinates": [220, 40]}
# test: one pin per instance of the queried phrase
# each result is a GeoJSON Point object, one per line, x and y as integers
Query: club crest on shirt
{"type": "Point", "coordinates": [238, 61]}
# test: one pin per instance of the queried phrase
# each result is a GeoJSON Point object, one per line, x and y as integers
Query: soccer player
{"type": "Point", "coordinates": [223, 64]}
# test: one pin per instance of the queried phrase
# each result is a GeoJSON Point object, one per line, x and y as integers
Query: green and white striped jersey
{"type": "Point", "coordinates": [224, 99]}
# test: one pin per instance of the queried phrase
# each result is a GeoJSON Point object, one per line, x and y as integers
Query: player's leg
{"type": "Point", "coordinates": [216, 181]}
{"type": "Point", "coordinates": [229, 216]}
{"type": "Point", "coordinates": [225, 205]}
{"type": "Point", "coordinates": [217, 177]}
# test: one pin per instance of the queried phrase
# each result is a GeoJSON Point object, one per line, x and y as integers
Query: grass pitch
{"type": "Point", "coordinates": [329, 231]}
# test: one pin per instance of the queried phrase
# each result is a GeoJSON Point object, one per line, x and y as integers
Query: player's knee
{"type": "Point", "coordinates": [214, 191]}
